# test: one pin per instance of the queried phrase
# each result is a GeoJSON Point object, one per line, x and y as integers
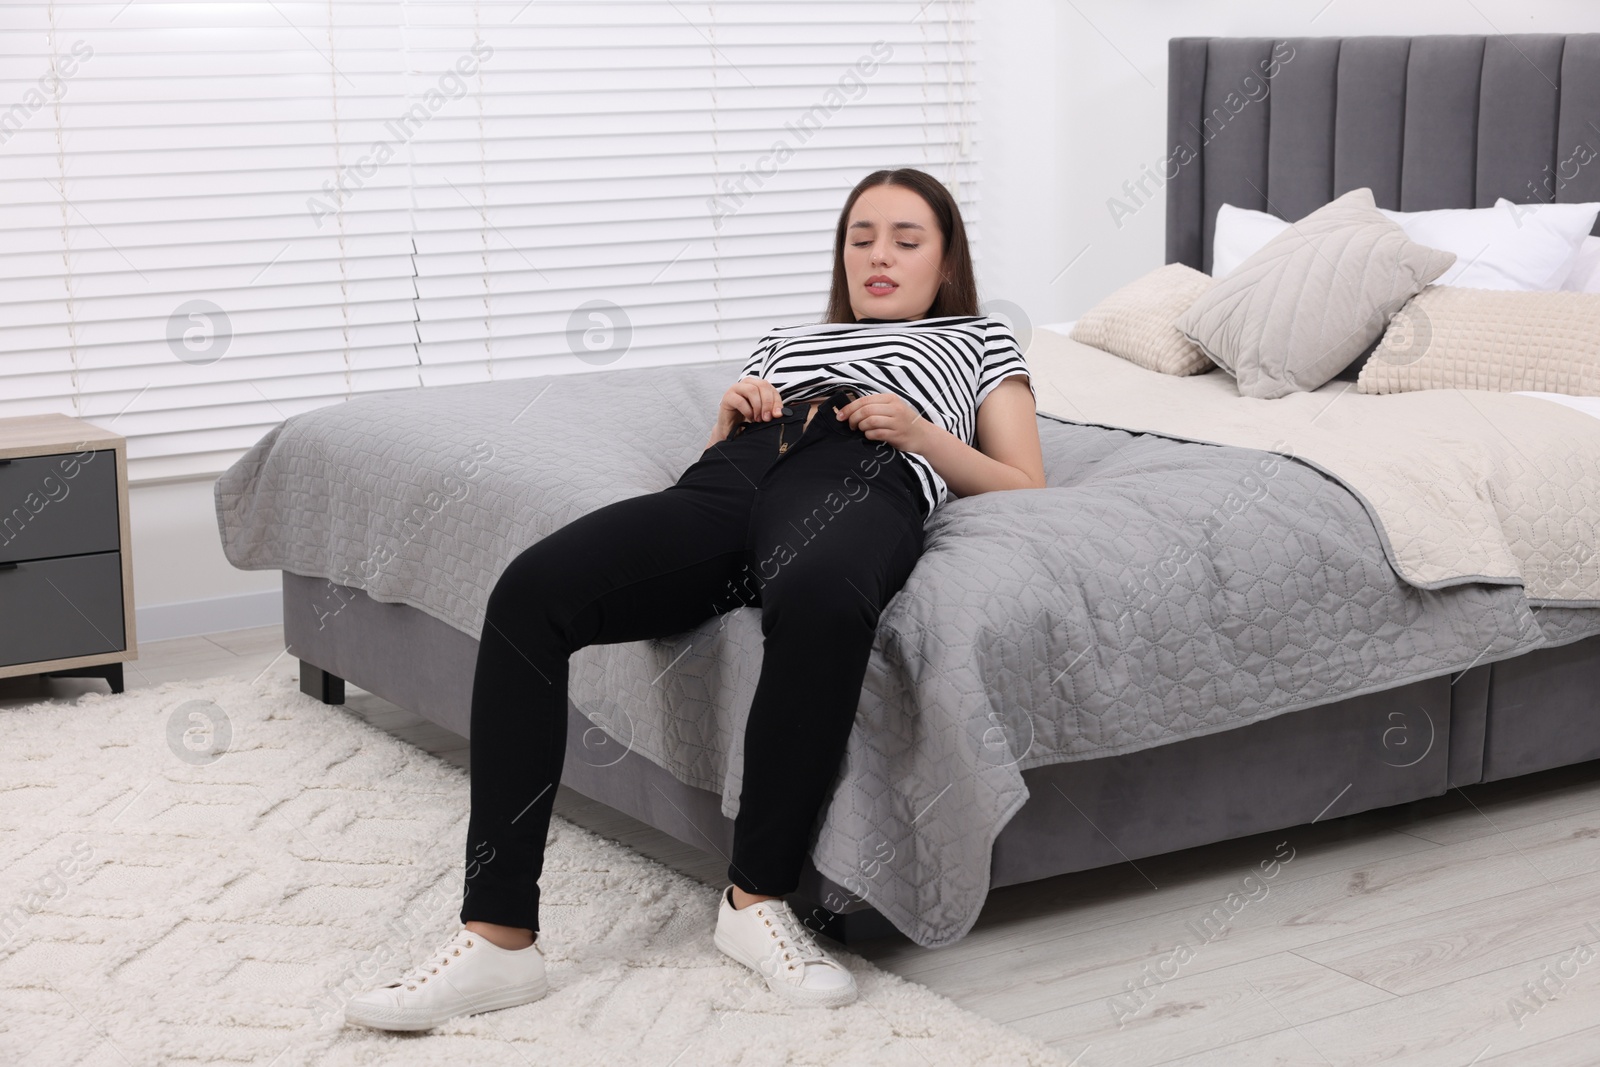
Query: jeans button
{"type": "Point", "coordinates": [787, 410]}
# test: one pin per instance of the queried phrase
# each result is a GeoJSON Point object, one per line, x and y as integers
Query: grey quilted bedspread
{"type": "Point", "coordinates": [1156, 590]}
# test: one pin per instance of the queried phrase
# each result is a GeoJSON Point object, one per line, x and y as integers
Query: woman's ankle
{"type": "Point", "coordinates": [512, 937]}
{"type": "Point", "coordinates": [742, 900]}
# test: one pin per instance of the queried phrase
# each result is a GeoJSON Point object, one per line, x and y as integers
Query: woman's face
{"type": "Point", "coordinates": [892, 235]}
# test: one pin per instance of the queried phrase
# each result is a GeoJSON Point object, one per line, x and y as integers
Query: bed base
{"type": "Point", "coordinates": [1391, 747]}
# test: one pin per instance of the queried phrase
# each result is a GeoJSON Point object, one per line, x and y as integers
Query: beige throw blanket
{"type": "Point", "coordinates": [1463, 485]}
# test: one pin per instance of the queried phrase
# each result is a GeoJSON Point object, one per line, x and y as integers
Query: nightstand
{"type": "Point", "coordinates": [66, 574]}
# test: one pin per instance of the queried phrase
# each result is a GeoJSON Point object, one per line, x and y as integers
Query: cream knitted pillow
{"type": "Point", "coordinates": [1135, 322]}
{"type": "Point", "coordinates": [1448, 337]}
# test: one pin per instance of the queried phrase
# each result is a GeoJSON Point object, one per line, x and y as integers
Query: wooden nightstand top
{"type": "Point", "coordinates": [43, 435]}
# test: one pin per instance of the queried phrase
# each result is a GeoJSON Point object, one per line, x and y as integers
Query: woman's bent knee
{"type": "Point", "coordinates": [535, 586]}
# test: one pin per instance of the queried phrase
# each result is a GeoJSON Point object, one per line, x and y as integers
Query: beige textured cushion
{"type": "Point", "coordinates": [1454, 338]}
{"type": "Point", "coordinates": [1312, 299]}
{"type": "Point", "coordinates": [1135, 322]}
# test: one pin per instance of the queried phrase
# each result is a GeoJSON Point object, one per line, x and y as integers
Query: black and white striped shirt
{"type": "Point", "coordinates": [944, 367]}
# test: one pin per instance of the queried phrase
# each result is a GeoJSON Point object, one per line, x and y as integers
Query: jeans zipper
{"type": "Point", "coordinates": [782, 446]}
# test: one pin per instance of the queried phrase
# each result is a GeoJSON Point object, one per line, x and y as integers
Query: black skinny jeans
{"type": "Point", "coordinates": [818, 537]}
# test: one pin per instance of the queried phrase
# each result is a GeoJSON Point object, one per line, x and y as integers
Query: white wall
{"type": "Point", "coordinates": [1073, 103]}
{"type": "Point", "coordinates": [182, 583]}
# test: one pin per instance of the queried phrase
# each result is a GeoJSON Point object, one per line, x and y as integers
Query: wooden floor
{"type": "Point", "coordinates": [1463, 930]}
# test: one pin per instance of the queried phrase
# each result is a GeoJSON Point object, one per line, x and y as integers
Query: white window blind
{"type": "Point", "coordinates": [164, 276]}
{"type": "Point", "coordinates": [223, 214]}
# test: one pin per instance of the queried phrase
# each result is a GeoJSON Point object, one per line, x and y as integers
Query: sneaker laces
{"type": "Point", "coordinates": [441, 958]}
{"type": "Point", "coordinates": [795, 936]}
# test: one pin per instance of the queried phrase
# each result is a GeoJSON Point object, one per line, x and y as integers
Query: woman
{"type": "Point", "coordinates": [843, 436]}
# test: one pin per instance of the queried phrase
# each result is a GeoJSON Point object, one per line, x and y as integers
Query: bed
{"type": "Point", "coordinates": [1192, 634]}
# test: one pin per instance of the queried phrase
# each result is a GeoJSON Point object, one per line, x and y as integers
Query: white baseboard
{"type": "Point", "coordinates": [213, 615]}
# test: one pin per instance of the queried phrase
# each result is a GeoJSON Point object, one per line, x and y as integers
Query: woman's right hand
{"type": "Point", "coordinates": [747, 400]}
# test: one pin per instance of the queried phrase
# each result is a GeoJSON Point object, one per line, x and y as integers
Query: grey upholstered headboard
{"type": "Point", "coordinates": [1287, 124]}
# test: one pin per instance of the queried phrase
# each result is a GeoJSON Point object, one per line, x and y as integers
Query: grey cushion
{"type": "Point", "coordinates": [1301, 309]}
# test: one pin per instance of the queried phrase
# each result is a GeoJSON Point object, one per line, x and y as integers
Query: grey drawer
{"type": "Point", "coordinates": [45, 513]}
{"type": "Point", "coordinates": [58, 608]}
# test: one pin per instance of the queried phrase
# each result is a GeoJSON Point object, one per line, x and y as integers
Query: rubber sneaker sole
{"type": "Point", "coordinates": [412, 1019]}
{"type": "Point", "coordinates": [810, 998]}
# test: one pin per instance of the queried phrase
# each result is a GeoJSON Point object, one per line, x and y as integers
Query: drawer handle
{"type": "Point", "coordinates": [8, 566]}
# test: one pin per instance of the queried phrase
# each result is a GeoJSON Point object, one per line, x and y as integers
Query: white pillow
{"type": "Point", "coordinates": [1530, 247]}
{"type": "Point", "coordinates": [1526, 247]}
{"type": "Point", "coordinates": [1585, 276]}
{"type": "Point", "coordinates": [1241, 233]}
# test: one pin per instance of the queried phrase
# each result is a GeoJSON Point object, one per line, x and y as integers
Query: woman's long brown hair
{"type": "Point", "coordinates": [958, 289]}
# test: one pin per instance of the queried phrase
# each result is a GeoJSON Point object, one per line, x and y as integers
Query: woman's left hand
{"type": "Point", "coordinates": [887, 417]}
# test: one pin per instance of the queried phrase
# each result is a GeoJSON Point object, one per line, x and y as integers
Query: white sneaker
{"type": "Point", "coordinates": [467, 975]}
{"type": "Point", "coordinates": [770, 938]}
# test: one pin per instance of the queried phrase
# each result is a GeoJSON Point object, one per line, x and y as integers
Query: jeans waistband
{"type": "Point", "coordinates": [836, 398]}
{"type": "Point", "coordinates": [796, 410]}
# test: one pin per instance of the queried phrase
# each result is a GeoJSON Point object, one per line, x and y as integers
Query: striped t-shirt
{"type": "Point", "coordinates": [944, 367]}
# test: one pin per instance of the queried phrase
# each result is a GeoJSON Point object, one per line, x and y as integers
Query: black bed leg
{"type": "Point", "coordinates": [850, 928]}
{"type": "Point", "coordinates": [316, 682]}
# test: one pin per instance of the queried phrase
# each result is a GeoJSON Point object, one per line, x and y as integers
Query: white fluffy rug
{"type": "Point", "coordinates": [204, 873]}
